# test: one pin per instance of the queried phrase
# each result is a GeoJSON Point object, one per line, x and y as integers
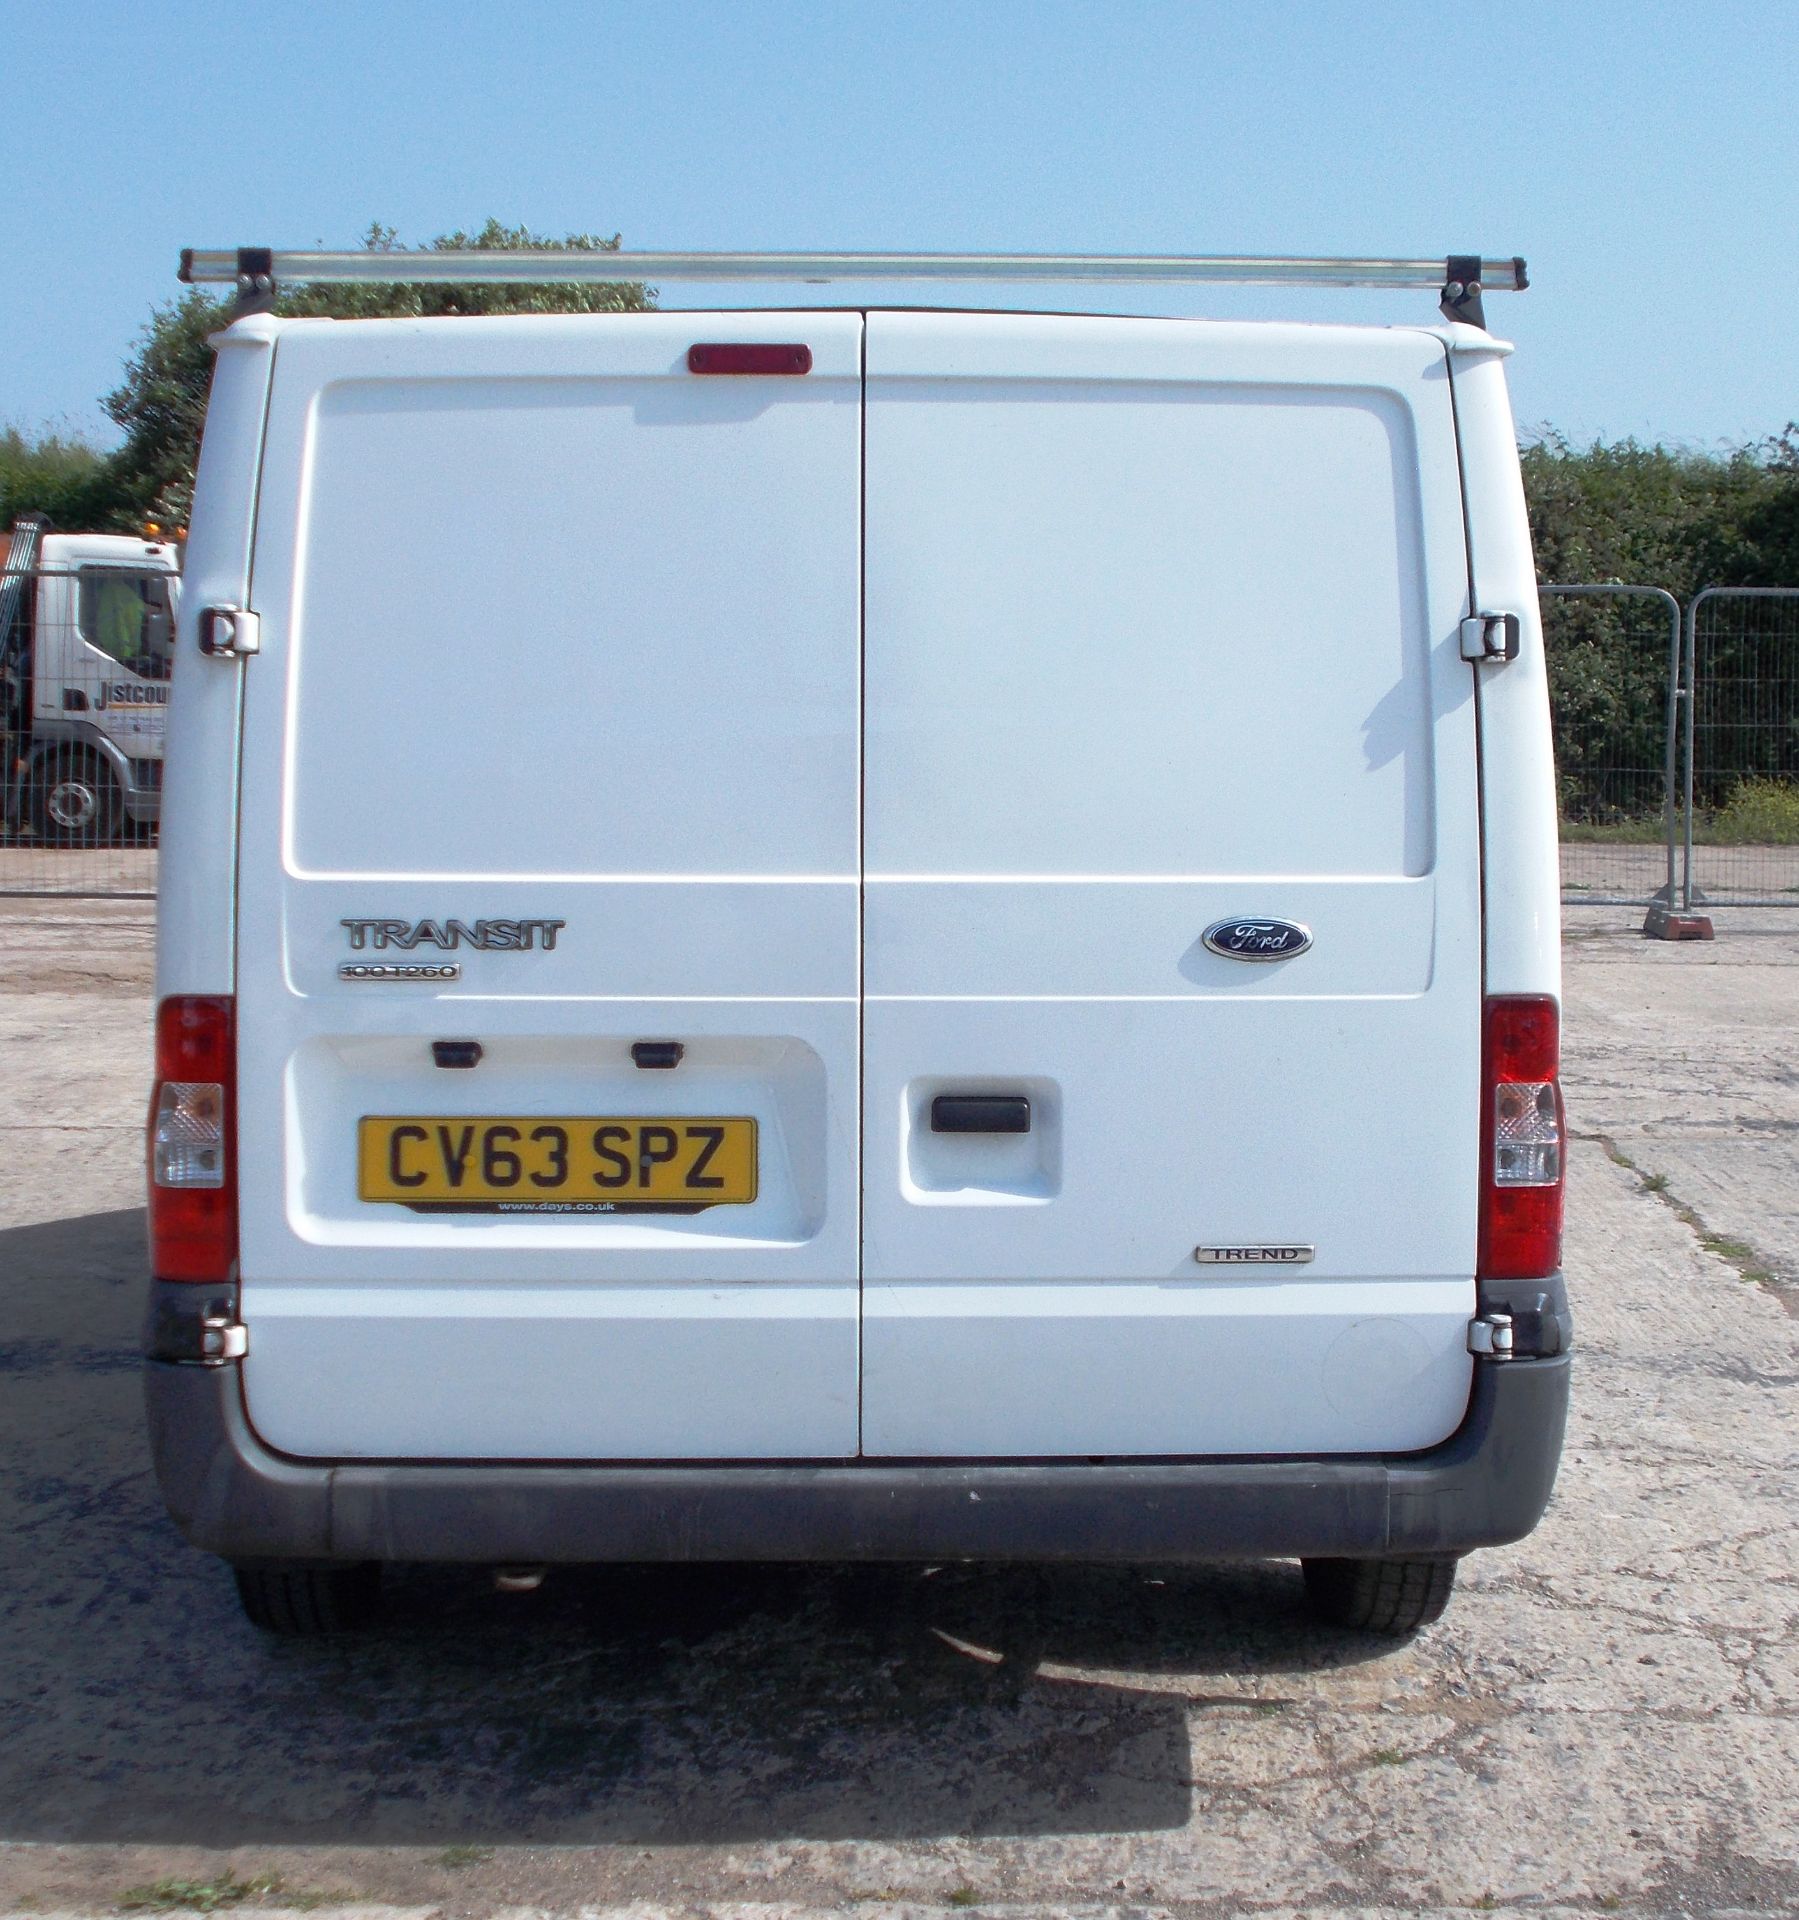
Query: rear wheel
{"type": "Point", "coordinates": [1380, 1596]}
{"type": "Point", "coordinates": [75, 800]}
{"type": "Point", "coordinates": [309, 1600]}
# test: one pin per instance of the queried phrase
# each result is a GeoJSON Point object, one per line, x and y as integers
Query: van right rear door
{"type": "Point", "coordinates": [1161, 631]}
{"type": "Point", "coordinates": [548, 902]}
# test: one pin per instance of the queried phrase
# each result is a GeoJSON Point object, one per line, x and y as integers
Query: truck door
{"type": "Point", "coordinates": [1161, 633]}
{"type": "Point", "coordinates": [119, 654]}
{"type": "Point", "coordinates": [548, 942]}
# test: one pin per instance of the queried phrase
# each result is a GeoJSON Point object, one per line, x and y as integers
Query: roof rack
{"type": "Point", "coordinates": [1459, 278]}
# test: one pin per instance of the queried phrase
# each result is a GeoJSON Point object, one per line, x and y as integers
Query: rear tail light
{"type": "Point", "coordinates": [1521, 1139]}
{"type": "Point", "coordinates": [192, 1146]}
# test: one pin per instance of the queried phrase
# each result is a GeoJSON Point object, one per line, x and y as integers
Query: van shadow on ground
{"type": "Point", "coordinates": [622, 1705]}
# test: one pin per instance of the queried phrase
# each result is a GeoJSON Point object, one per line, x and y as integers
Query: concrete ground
{"type": "Point", "coordinates": [1606, 1720]}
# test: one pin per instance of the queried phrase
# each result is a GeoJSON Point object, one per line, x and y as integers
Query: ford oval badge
{"type": "Point", "coordinates": [1247, 938]}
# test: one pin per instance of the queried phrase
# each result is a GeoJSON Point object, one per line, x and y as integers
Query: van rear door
{"type": "Point", "coordinates": [1162, 632]}
{"type": "Point", "coordinates": [548, 911]}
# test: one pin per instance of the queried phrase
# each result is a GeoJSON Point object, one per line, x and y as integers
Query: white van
{"type": "Point", "coordinates": [857, 935]}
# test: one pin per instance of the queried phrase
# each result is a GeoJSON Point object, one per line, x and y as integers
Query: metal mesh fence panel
{"type": "Point", "coordinates": [85, 655]}
{"type": "Point", "coordinates": [84, 685]}
{"type": "Point", "coordinates": [1614, 656]}
{"type": "Point", "coordinates": [1743, 747]}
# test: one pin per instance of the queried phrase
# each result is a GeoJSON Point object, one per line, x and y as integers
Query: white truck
{"type": "Point", "coordinates": [947, 947]}
{"type": "Point", "coordinates": [86, 645]}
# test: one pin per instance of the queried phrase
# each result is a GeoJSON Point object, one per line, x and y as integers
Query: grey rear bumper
{"type": "Point", "coordinates": [1486, 1485]}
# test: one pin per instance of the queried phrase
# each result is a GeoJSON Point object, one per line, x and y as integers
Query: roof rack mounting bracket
{"type": "Point", "coordinates": [1462, 289]}
{"type": "Point", "coordinates": [256, 287]}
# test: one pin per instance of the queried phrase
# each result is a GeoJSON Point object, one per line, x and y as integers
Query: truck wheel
{"type": "Point", "coordinates": [1379, 1596]}
{"type": "Point", "coordinates": [309, 1600]}
{"type": "Point", "coordinates": [75, 801]}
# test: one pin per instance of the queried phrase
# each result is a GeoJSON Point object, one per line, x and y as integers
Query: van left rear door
{"type": "Point", "coordinates": [548, 936]}
{"type": "Point", "coordinates": [1163, 657]}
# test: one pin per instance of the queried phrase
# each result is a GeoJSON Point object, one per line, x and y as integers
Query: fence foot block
{"type": "Point", "coordinates": [1663, 923]}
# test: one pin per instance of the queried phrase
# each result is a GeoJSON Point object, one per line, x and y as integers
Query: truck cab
{"type": "Point", "coordinates": [86, 644]}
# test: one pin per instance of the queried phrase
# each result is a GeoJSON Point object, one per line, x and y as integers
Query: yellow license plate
{"type": "Point", "coordinates": [554, 1164]}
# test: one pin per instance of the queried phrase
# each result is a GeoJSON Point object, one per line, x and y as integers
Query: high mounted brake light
{"type": "Point", "coordinates": [192, 1147]}
{"type": "Point", "coordinates": [747, 356]}
{"type": "Point", "coordinates": [1522, 1135]}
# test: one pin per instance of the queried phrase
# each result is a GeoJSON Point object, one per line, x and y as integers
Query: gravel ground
{"type": "Point", "coordinates": [77, 870]}
{"type": "Point", "coordinates": [1606, 1720]}
{"type": "Point", "coordinates": [1598, 870]}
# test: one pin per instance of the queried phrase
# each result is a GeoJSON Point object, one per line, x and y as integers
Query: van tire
{"type": "Point", "coordinates": [74, 800]}
{"type": "Point", "coordinates": [1379, 1596]}
{"type": "Point", "coordinates": [301, 1601]}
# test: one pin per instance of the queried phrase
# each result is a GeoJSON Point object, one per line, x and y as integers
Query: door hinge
{"type": "Point", "coordinates": [1491, 1335]}
{"type": "Point", "coordinates": [229, 633]}
{"type": "Point", "coordinates": [222, 1339]}
{"type": "Point", "coordinates": [1490, 636]}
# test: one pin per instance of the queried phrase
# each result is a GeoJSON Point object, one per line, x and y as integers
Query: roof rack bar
{"type": "Point", "coordinates": [525, 266]}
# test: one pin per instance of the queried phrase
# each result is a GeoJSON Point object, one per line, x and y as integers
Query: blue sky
{"type": "Point", "coordinates": [1645, 159]}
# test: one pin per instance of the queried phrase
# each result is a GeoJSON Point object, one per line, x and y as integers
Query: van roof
{"type": "Point", "coordinates": [1456, 336]}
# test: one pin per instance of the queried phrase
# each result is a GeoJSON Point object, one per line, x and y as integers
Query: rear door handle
{"type": "Point", "coordinates": [980, 1113]}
